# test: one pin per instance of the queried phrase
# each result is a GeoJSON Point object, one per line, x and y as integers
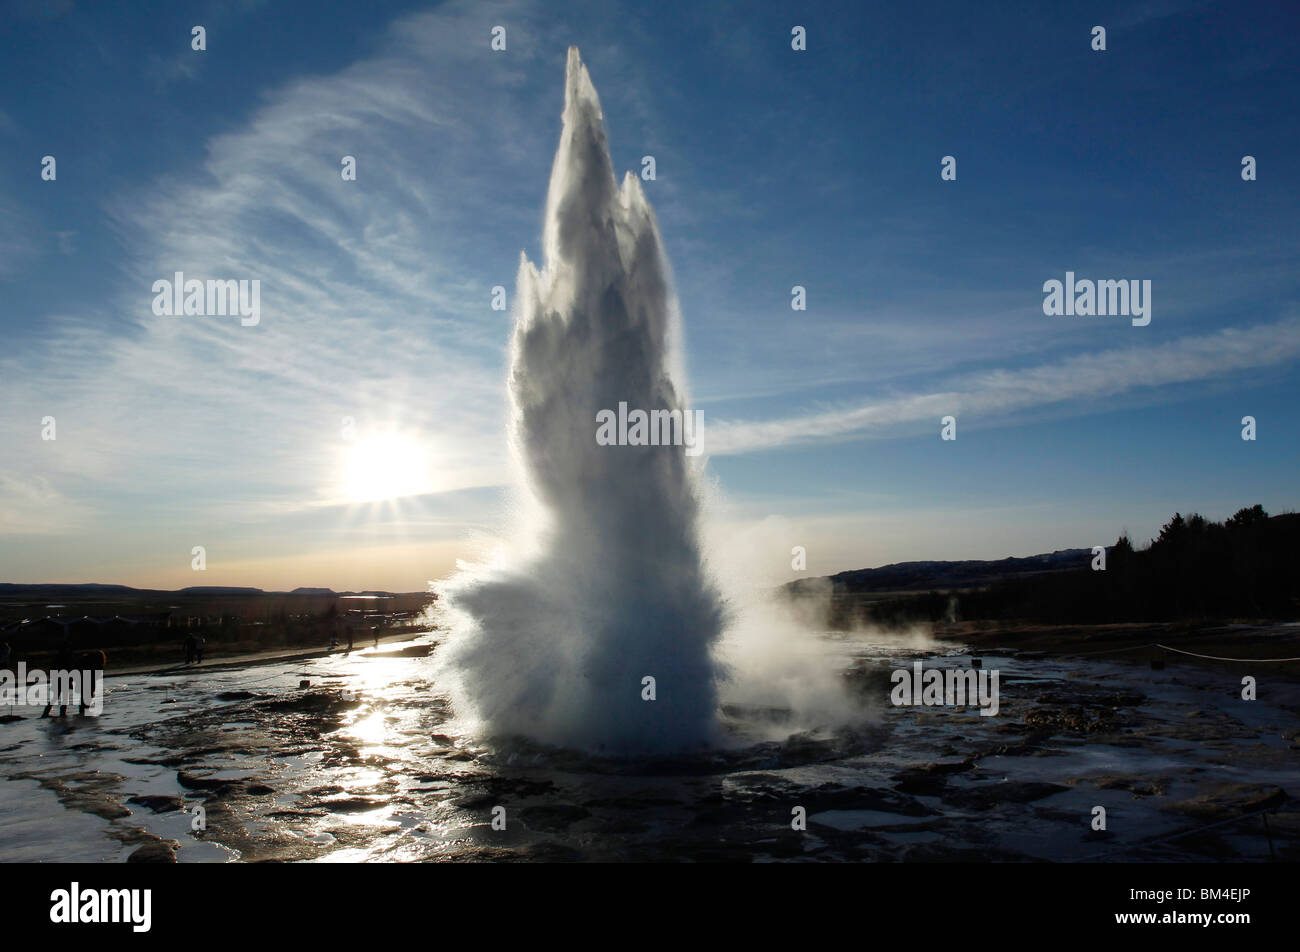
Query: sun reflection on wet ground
{"type": "Point", "coordinates": [366, 763]}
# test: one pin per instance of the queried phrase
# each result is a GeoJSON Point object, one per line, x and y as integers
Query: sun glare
{"type": "Point", "coordinates": [385, 466]}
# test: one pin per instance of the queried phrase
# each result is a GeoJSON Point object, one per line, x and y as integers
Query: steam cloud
{"type": "Point", "coordinates": [603, 582]}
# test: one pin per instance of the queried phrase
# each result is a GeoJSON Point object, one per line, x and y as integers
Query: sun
{"type": "Point", "coordinates": [385, 466]}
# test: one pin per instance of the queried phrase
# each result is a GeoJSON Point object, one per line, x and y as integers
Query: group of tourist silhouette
{"type": "Point", "coordinates": [194, 649]}
{"type": "Point", "coordinates": [66, 661]}
{"type": "Point", "coordinates": [351, 633]}
{"type": "Point", "coordinates": [69, 660]}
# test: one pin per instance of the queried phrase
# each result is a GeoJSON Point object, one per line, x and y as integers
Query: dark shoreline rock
{"type": "Point", "coordinates": [155, 850]}
{"type": "Point", "coordinates": [1226, 801]}
{"type": "Point", "coordinates": [158, 804]}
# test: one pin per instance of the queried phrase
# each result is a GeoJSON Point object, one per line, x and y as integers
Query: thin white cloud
{"type": "Point", "coordinates": [1081, 378]}
{"type": "Point", "coordinates": [32, 506]}
{"type": "Point", "coordinates": [17, 249]}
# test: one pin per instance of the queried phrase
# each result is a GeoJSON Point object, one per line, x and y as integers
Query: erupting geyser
{"type": "Point", "coordinates": [604, 583]}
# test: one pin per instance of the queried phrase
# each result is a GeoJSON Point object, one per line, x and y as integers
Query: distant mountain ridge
{"type": "Point", "coordinates": [66, 590]}
{"type": "Point", "coordinates": [1246, 567]}
{"type": "Point", "coordinates": [937, 574]}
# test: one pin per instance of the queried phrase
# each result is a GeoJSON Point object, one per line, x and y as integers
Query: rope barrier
{"type": "Point", "coordinates": [1156, 644]}
{"type": "Point", "coordinates": [1142, 844]}
{"type": "Point", "coordinates": [1216, 658]}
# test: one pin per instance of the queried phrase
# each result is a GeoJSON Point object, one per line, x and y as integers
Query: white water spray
{"type": "Point", "coordinates": [603, 584]}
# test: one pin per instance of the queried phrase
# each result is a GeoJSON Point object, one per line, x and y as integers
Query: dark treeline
{"type": "Point", "coordinates": [1247, 567]}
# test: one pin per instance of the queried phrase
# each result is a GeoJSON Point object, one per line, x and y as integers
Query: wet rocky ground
{"type": "Point", "coordinates": [357, 758]}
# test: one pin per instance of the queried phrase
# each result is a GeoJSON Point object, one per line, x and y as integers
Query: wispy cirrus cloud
{"type": "Point", "coordinates": [32, 506]}
{"type": "Point", "coordinates": [373, 308]}
{"type": "Point", "coordinates": [1082, 378]}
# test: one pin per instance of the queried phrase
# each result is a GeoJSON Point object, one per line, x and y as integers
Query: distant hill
{"type": "Point", "coordinates": [60, 590]}
{"type": "Point", "coordinates": [1246, 567]}
{"type": "Point", "coordinates": [99, 590]}
{"type": "Point", "coordinates": [931, 575]}
{"type": "Point", "coordinates": [219, 590]}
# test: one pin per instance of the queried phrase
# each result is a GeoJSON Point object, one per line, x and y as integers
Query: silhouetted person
{"type": "Point", "coordinates": [57, 689]}
{"type": "Point", "coordinates": [91, 661]}
{"type": "Point", "coordinates": [4, 656]}
{"type": "Point", "coordinates": [349, 637]}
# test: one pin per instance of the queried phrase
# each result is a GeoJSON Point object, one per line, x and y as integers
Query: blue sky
{"type": "Point", "coordinates": [775, 168]}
